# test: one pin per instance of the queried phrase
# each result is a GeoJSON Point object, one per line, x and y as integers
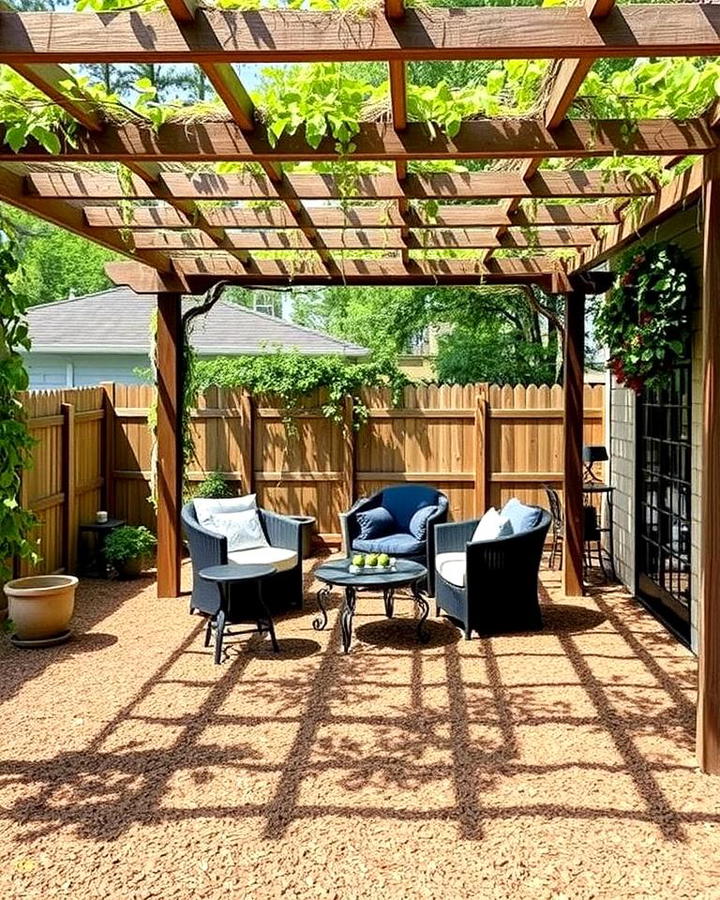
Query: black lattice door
{"type": "Point", "coordinates": [664, 501]}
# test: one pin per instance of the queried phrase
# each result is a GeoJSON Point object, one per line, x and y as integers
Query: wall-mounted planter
{"type": "Point", "coordinates": [40, 608]}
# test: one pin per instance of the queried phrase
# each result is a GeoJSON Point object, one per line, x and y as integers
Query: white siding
{"type": "Point", "coordinates": [54, 370]}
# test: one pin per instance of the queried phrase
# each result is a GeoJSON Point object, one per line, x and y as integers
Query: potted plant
{"type": "Point", "coordinates": [128, 548]}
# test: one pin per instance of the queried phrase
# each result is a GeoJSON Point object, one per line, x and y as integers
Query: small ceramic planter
{"type": "Point", "coordinates": [41, 606]}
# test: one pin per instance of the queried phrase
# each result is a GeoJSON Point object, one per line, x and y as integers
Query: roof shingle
{"type": "Point", "coordinates": [119, 320]}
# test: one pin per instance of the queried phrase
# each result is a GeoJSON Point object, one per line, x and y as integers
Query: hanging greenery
{"type": "Point", "coordinates": [15, 441]}
{"type": "Point", "coordinates": [290, 375]}
{"type": "Point", "coordinates": [644, 321]}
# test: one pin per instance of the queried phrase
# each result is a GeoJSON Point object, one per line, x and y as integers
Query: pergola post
{"type": "Point", "coordinates": [708, 707]}
{"type": "Point", "coordinates": [573, 442]}
{"type": "Point", "coordinates": [169, 443]}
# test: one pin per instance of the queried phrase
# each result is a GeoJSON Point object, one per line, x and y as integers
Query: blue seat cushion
{"type": "Point", "coordinates": [375, 522]}
{"type": "Point", "coordinates": [392, 544]}
{"type": "Point", "coordinates": [419, 522]}
{"type": "Point", "coordinates": [522, 517]}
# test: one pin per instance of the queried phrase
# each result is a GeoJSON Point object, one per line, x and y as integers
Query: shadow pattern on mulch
{"type": "Point", "coordinates": [449, 721]}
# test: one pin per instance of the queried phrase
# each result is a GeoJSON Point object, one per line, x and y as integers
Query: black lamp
{"type": "Point", "coordinates": [594, 453]}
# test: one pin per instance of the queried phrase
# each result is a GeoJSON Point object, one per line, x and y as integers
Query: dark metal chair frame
{"type": "Point", "coordinates": [557, 526]}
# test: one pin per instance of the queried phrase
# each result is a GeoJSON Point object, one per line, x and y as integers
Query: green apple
{"type": "Point", "coordinates": [384, 560]}
{"type": "Point", "coordinates": [358, 560]}
{"type": "Point", "coordinates": [371, 560]}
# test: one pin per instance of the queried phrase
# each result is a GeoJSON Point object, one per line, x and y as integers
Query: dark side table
{"type": "Point", "coordinates": [92, 562]}
{"type": "Point", "coordinates": [233, 609]}
{"type": "Point", "coordinates": [592, 489]}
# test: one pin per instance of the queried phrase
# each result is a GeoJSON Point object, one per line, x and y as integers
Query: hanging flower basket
{"type": "Point", "coordinates": [644, 321]}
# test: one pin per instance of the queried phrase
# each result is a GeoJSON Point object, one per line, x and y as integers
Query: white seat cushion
{"type": "Point", "coordinates": [272, 556]}
{"type": "Point", "coordinates": [451, 567]}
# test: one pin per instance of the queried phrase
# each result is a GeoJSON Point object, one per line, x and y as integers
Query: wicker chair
{"type": "Point", "coordinates": [402, 501]}
{"type": "Point", "coordinates": [495, 590]}
{"type": "Point", "coordinates": [284, 589]}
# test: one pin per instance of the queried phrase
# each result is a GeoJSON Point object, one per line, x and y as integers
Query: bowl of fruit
{"type": "Point", "coordinates": [371, 562]}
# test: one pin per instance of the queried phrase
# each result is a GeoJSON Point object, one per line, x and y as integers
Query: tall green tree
{"type": "Point", "coordinates": [56, 263]}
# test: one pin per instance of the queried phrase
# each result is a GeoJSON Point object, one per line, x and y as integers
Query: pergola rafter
{"type": "Point", "coordinates": [493, 185]}
{"type": "Point", "coordinates": [232, 92]}
{"type": "Point", "coordinates": [365, 218]}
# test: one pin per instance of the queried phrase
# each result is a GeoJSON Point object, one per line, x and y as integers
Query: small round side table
{"type": "Point", "coordinates": [95, 565]}
{"type": "Point", "coordinates": [228, 612]}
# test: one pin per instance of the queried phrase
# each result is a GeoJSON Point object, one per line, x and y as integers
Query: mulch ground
{"type": "Point", "coordinates": [557, 764]}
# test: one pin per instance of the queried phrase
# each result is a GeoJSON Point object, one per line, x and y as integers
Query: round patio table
{"type": "Point", "coordinates": [405, 574]}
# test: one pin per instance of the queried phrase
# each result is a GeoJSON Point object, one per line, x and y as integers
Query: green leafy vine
{"type": "Point", "coordinates": [644, 321]}
{"type": "Point", "coordinates": [16, 443]}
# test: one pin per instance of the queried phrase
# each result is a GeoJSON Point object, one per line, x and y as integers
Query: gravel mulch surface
{"type": "Point", "coordinates": [557, 764]}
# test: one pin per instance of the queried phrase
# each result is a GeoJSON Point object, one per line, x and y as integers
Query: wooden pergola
{"type": "Point", "coordinates": [177, 243]}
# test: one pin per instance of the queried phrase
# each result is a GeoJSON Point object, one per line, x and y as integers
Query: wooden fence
{"type": "Point", "coordinates": [480, 444]}
{"type": "Point", "coordinates": [65, 485]}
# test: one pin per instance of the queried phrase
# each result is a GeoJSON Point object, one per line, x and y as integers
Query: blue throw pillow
{"type": "Point", "coordinates": [419, 522]}
{"type": "Point", "coordinates": [375, 523]}
{"type": "Point", "coordinates": [522, 517]}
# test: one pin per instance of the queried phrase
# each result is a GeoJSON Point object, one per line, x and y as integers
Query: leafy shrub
{"type": "Point", "coordinates": [129, 542]}
{"type": "Point", "coordinates": [213, 487]}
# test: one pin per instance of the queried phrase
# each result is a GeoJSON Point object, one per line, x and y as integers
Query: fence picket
{"type": "Point", "coordinates": [479, 443]}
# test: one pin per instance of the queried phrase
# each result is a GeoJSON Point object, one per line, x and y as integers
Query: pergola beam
{"type": "Point", "coordinates": [565, 84]}
{"type": "Point", "coordinates": [369, 218]}
{"type": "Point", "coordinates": [545, 185]}
{"type": "Point", "coordinates": [267, 36]}
{"type": "Point", "coordinates": [48, 79]}
{"type": "Point", "coordinates": [197, 275]}
{"type": "Point", "coordinates": [352, 239]}
{"type": "Point", "coordinates": [378, 141]}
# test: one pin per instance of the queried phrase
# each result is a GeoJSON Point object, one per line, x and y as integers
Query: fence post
{"type": "Point", "coordinates": [69, 509]}
{"type": "Point", "coordinates": [107, 459]}
{"type": "Point", "coordinates": [247, 443]}
{"type": "Point", "coordinates": [348, 457]}
{"type": "Point", "coordinates": [481, 440]}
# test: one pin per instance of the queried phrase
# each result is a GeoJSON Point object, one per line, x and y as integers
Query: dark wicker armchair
{"type": "Point", "coordinates": [284, 589]}
{"type": "Point", "coordinates": [402, 501]}
{"type": "Point", "coordinates": [490, 586]}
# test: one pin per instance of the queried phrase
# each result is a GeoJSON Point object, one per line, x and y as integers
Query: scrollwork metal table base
{"type": "Point", "coordinates": [338, 577]}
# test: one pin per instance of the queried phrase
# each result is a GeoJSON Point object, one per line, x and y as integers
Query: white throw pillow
{"type": "Point", "coordinates": [492, 526]}
{"type": "Point", "coordinates": [205, 509]}
{"type": "Point", "coordinates": [242, 529]}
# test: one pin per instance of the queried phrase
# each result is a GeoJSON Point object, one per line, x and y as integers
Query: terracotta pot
{"type": "Point", "coordinates": [41, 606]}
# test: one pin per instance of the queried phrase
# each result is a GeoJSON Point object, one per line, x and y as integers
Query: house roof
{"type": "Point", "coordinates": [118, 321]}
